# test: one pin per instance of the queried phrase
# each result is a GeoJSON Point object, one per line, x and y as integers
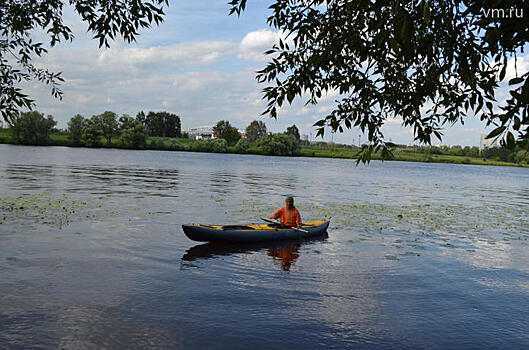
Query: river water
{"type": "Point", "coordinates": [418, 255]}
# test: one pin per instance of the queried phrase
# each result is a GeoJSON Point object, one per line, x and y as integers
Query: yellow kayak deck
{"type": "Point", "coordinates": [260, 227]}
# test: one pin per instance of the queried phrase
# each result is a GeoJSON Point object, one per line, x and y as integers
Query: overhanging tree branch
{"type": "Point", "coordinates": [430, 63]}
{"type": "Point", "coordinates": [19, 19]}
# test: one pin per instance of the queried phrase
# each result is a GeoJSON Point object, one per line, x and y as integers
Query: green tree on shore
{"type": "Point", "coordinates": [154, 124]}
{"type": "Point", "coordinates": [162, 124]}
{"type": "Point", "coordinates": [108, 124]}
{"type": "Point", "coordinates": [255, 130]}
{"type": "Point", "coordinates": [293, 130]}
{"type": "Point", "coordinates": [242, 145]}
{"type": "Point", "coordinates": [172, 126]}
{"type": "Point", "coordinates": [75, 129]}
{"type": "Point", "coordinates": [522, 156]}
{"type": "Point", "coordinates": [134, 136]}
{"type": "Point", "coordinates": [225, 131]}
{"type": "Point", "coordinates": [278, 144]}
{"type": "Point", "coordinates": [91, 132]}
{"type": "Point", "coordinates": [210, 145]}
{"type": "Point", "coordinates": [471, 151]}
{"type": "Point", "coordinates": [126, 122]}
{"type": "Point", "coordinates": [141, 117]}
{"type": "Point", "coordinates": [32, 128]}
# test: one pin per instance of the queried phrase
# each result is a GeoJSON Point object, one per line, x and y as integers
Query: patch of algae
{"type": "Point", "coordinates": [57, 210]}
{"type": "Point", "coordinates": [438, 222]}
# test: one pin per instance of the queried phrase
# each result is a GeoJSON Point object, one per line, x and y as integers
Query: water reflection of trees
{"type": "Point", "coordinates": [124, 180]}
{"type": "Point", "coordinates": [255, 184]}
{"type": "Point", "coordinates": [221, 182]}
{"type": "Point", "coordinates": [31, 177]}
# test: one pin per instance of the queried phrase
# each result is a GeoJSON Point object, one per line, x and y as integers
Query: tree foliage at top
{"type": "Point", "coordinates": [428, 63]}
{"type": "Point", "coordinates": [20, 19]}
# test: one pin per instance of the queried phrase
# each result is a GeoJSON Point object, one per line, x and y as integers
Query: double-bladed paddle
{"type": "Point", "coordinates": [287, 226]}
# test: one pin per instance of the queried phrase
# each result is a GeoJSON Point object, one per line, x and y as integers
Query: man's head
{"type": "Point", "coordinates": [289, 201]}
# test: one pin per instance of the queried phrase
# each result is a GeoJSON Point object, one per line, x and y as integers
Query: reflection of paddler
{"type": "Point", "coordinates": [286, 255]}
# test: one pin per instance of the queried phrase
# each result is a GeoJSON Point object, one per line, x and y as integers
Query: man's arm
{"type": "Point", "coordinates": [276, 214]}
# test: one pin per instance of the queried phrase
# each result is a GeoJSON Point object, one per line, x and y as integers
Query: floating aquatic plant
{"type": "Point", "coordinates": [59, 210]}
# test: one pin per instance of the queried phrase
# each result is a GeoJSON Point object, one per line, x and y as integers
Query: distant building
{"type": "Point", "coordinates": [488, 143]}
{"type": "Point", "coordinates": [202, 132]}
{"type": "Point", "coordinates": [242, 132]}
{"type": "Point", "coordinates": [305, 137]}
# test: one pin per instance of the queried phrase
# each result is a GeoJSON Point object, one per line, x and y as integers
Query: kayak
{"type": "Point", "coordinates": [254, 232]}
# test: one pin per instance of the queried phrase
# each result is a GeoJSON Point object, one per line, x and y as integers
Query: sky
{"type": "Point", "coordinates": [201, 65]}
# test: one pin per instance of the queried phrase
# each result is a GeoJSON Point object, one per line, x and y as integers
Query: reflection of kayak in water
{"type": "Point", "coordinates": [254, 232]}
{"type": "Point", "coordinates": [284, 253]}
{"type": "Point", "coordinates": [215, 249]}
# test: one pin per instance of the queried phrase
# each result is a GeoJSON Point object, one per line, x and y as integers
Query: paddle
{"type": "Point", "coordinates": [287, 226]}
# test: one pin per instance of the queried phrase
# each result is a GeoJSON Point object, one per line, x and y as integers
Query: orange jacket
{"type": "Point", "coordinates": [289, 217]}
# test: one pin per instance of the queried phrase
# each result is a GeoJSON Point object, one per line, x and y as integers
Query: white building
{"type": "Point", "coordinates": [488, 143]}
{"type": "Point", "coordinates": [201, 132]}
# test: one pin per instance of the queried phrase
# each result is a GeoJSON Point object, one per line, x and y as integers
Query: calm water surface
{"type": "Point", "coordinates": [419, 255]}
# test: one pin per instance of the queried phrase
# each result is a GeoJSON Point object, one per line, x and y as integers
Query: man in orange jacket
{"type": "Point", "coordinates": [288, 215]}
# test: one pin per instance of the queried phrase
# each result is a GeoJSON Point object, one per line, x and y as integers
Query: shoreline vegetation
{"type": "Point", "coordinates": [162, 131]}
{"type": "Point", "coordinates": [317, 150]}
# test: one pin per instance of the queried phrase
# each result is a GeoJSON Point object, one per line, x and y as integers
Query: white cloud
{"type": "Point", "coordinates": [331, 94]}
{"type": "Point", "coordinates": [189, 53]}
{"type": "Point", "coordinates": [303, 111]}
{"type": "Point", "coordinates": [521, 66]}
{"type": "Point", "coordinates": [254, 44]}
{"type": "Point", "coordinates": [200, 98]}
{"type": "Point", "coordinates": [325, 109]}
{"type": "Point", "coordinates": [394, 121]}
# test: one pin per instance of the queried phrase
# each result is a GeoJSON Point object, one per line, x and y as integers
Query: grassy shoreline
{"type": "Point", "coordinates": [406, 156]}
{"type": "Point", "coordinates": [317, 151]}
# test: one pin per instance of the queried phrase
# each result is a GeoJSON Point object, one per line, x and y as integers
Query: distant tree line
{"type": "Point", "coordinates": [286, 143]}
{"type": "Point", "coordinates": [33, 128]}
{"type": "Point", "coordinates": [145, 131]}
{"type": "Point", "coordinates": [161, 124]}
{"type": "Point", "coordinates": [495, 153]}
{"type": "Point", "coordinates": [457, 150]}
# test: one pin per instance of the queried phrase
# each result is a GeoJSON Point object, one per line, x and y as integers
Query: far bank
{"type": "Point", "coordinates": [320, 149]}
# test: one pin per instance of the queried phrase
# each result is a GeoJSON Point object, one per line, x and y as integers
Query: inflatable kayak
{"type": "Point", "coordinates": [254, 232]}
